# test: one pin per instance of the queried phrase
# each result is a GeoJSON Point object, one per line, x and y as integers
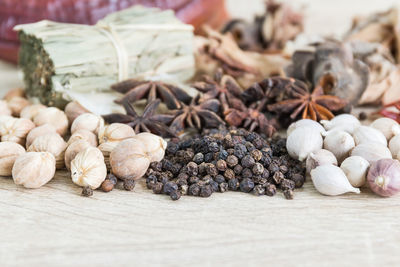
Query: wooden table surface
{"type": "Point", "coordinates": [55, 226]}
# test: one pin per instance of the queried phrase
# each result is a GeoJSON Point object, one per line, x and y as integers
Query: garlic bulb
{"type": "Point", "coordinates": [355, 168]}
{"type": "Point", "coordinates": [87, 121]}
{"type": "Point", "coordinates": [29, 112]}
{"type": "Point", "coordinates": [88, 168]}
{"type": "Point", "coordinates": [16, 130]}
{"type": "Point", "coordinates": [129, 159]}
{"type": "Point", "coordinates": [53, 116]}
{"type": "Point", "coordinates": [330, 180]}
{"type": "Point", "coordinates": [388, 127]}
{"type": "Point", "coordinates": [372, 152]}
{"type": "Point", "coordinates": [343, 122]}
{"type": "Point", "coordinates": [39, 131]}
{"type": "Point", "coordinates": [318, 158]}
{"type": "Point", "coordinates": [394, 145]}
{"type": "Point", "coordinates": [34, 169]}
{"type": "Point", "coordinates": [9, 151]}
{"type": "Point", "coordinates": [52, 143]}
{"type": "Point", "coordinates": [73, 110]}
{"type": "Point", "coordinates": [155, 145]}
{"type": "Point", "coordinates": [73, 149]}
{"type": "Point", "coordinates": [115, 132]}
{"type": "Point", "coordinates": [17, 104]}
{"type": "Point", "coordinates": [106, 149]}
{"type": "Point", "coordinates": [340, 143]}
{"type": "Point", "coordinates": [302, 141]}
{"type": "Point", "coordinates": [4, 109]}
{"type": "Point", "coordinates": [83, 134]}
{"type": "Point", "coordinates": [305, 123]}
{"type": "Point", "coordinates": [366, 134]}
{"type": "Point", "coordinates": [384, 177]}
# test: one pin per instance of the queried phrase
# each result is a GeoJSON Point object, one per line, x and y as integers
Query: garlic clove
{"type": "Point", "coordinates": [34, 169]}
{"type": "Point", "coordinates": [83, 134]}
{"type": "Point", "coordinates": [388, 127]}
{"type": "Point", "coordinates": [73, 110]}
{"type": "Point", "coordinates": [305, 123]}
{"type": "Point", "coordinates": [115, 132]}
{"type": "Point", "coordinates": [384, 177]}
{"type": "Point", "coordinates": [356, 169]}
{"type": "Point", "coordinates": [394, 145]}
{"type": "Point", "coordinates": [372, 152]}
{"type": "Point", "coordinates": [330, 180]}
{"type": "Point", "coordinates": [17, 104]}
{"type": "Point", "coordinates": [4, 109]}
{"type": "Point", "coordinates": [39, 131]}
{"type": "Point", "coordinates": [343, 122]}
{"type": "Point", "coordinates": [29, 112]}
{"type": "Point", "coordinates": [302, 141]}
{"type": "Point", "coordinates": [340, 143]}
{"type": "Point", "coordinates": [72, 150]}
{"type": "Point", "coordinates": [9, 151]}
{"type": "Point", "coordinates": [52, 143]}
{"type": "Point", "coordinates": [88, 168]}
{"type": "Point", "coordinates": [366, 134]}
{"type": "Point", "coordinates": [87, 121]}
{"type": "Point", "coordinates": [318, 158]}
{"type": "Point", "coordinates": [53, 116]}
{"type": "Point", "coordinates": [155, 145]}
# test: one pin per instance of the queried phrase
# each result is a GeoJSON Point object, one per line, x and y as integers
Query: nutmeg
{"type": "Point", "coordinates": [15, 130]}
{"type": "Point", "coordinates": [83, 134]}
{"type": "Point", "coordinates": [53, 116]}
{"type": "Point", "coordinates": [52, 143]}
{"type": "Point", "coordinates": [154, 144]}
{"type": "Point", "coordinates": [14, 93]}
{"type": "Point", "coordinates": [72, 150]}
{"type": "Point", "coordinates": [115, 132]}
{"type": "Point", "coordinates": [73, 110]}
{"type": "Point", "coordinates": [29, 112]}
{"type": "Point", "coordinates": [39, 131]}
{"type": "Point", "coordinates": [9, 151]}
{"type": "Point", "coordinates": [87, 121]}
{"type": "Point", "coordinates": [17, 104]}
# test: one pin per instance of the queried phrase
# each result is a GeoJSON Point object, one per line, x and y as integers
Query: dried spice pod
{"type": "Point", "coordinates": [52, 143]}
{"type": "Point", "coordinates": [29, 112]}
{"type": "Point", "coordinates": [39, 131]}
{"type": "Point", "coordinates": [115, 132]}
{"type": "Point", "coordinates": [72, 150]}
{"type": "Point", "coordinates": [9, 152]}
{"type": "Point", "coordinates": [155, 145]}
{"type": "Point", "coordinates": [85, 135]}
{"type": "Point", "coordinates": [53, 116]}
{"type": "Point", "coordinates": [89, 122]}
{"type": "Point", "coordinates": [17, 104]}
{"type": "Point", "coordinates": [15, 130]}
{"type": "Point", "coordinates": [73, 109]}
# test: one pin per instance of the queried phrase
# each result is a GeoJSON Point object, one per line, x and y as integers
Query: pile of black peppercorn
{"type": "Point", "coordinates": [225, 159]}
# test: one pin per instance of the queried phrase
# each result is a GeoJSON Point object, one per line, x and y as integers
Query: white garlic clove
{"type": "Point", "coordinates": [39, 131]}
{"type": "Point", "coordinates": [340, 143]}
{"type": "Point", "coordinates": [87, 121]}
{"type": "Point", "coordinates": [388, 127]}
{"type": "Point", "coordinates": [52, 143]}
{"type": "Point", "coordinates": [72, 150]}
{"type": "Point", "coordinates": [372, 152]}
{"type": "Point", "coordinates": [73, 110]}
{"type": "Point", "coordinates": [16, 130]}
{"type": "Point", "coordinates": [305, 123]}
{"type": "Point", "coordinates": [330, 180]}
{"type": "Point", "coordinates": [9, 151]}
{"type": "Point", "coordinates": [53, 116]}
{"type": "Point", "coordinates": [155, 145]}
{"type": "Point", "coordinates": [29, 112]}
{"type": "Point", "coordinates": [318, 158]}
{"type": "Point", "coordinates": [34, 169]}
{"type": "Point", "coordinates": [366, 134]}
{"type": "Point", "coordinates": [343, 122]}
{"type": "Point", "coordinates": [394, 145]}
{"type": "Point", "coordinates": [302, 141]}
{"type": "Point", "coordinates": [88, 168]}
{"type": "Point", "coordinates": [83, 134]}
{"type": "Point", "coordinates": [17, 104]}
{"type": "Point", "coordinates": [4, 109]}
{"type": "Point", "coordinates": [115, 132]}
{"type": "Point", "coordinates": [356, 169]}
{"type": "Point", "coordinates": [129, 159]}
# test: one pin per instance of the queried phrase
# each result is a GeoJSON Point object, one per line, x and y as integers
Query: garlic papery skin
{"type": "Point", "coordinates": [343, 122]}
{"type": "Point", "coordinates": [83, 134]}
{"type": "Point", "coordinates": [29, 112]}
{"type": "Point", "coordinates": [388, 127]}
{"type": "Point", "coordinates": [9, 151]}
{"type": "Point", "coordinates": [372, 152]}
{"type": "Point", "coordinates": [330, 180]}
{"type": "Point", "coordinates": [115, 132]}
{"type": "Point", "coordinates": [4, 109]}
{"type": "Point", "coordinates": [384, 177]}
{"type": "Point", "coordinates": [87, 121]}
{"type": "Point", "coordinates": [53, 116]}
{"type": "Point", "coordinates": [34, 169]}
{"type": "Point", "coordinates": [305, 123]}
{"type": "Point", "coordinates": [88, 168]}
{"type": "Point", "coordinates": [129, 159]}
{"type": "Point", "coordinates": [394, 145]}
{"type": "Point", "coordinates": [73, 110]}
{"type": "Point", "coordinates": [52, 143]}
{"type": "Point", "coordinates": [356, 169]}
{"type": "Point", "coordinates": [340, 143]}
{"type": "Point", "coordinates": [16, 130]}
{"type": "Point", "coordinates": [155, 145]}
{"type": "Point", "coordinates": [302, 141]}
{"type": "Point", "coordinates": [17, 104]}
{"type": "Point", "coordinates": [318, 158]}
{"type": "Point", "coordinates": [39, 131]}
{"type": "Point", "coordinates": [366, 134]}
{"type": "Point", "coordinates": [72, 150]}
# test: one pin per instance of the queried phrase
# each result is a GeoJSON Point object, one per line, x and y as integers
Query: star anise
{"type": "Point", "coordinates": [135, 90]}
{"type": "Point", "coordinates": [147, 122]}
{"type": "Point", "coordinates": [315, 105]}
{"type": "Point", "coordinates": [197, 115]}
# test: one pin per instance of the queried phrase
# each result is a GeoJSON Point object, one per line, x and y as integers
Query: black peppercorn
{"type": "Point", "coordinates": [193, 179]}
{"type": "Point", "coordinates": [211, 169]}
{"type": "Point", "coordinates": [172, 147]}
{"type": "Point", "coordinates": [298, 179]}
{"type": "Point", "coordinates": [259, 190]}
{"type": "Point", "coordinates": [214, 185]}
{"type": "Point", "coordinates": [238, 169]}
{"type": "Point", "coordinates": [362, 116]}
{"type": "Point", "coordinates": [208, 157]}
{"type": "Point", "coordinates": [219, 178]}
{"type": "Point", "coordinates": [213, 147]}
{"type": "Point", "coordinates": [181, 182]}
{"type": "Point", "coordinates": [188, 156]}
{"type": "Point", "coordinates": [247, 161]}
{"type": "Point", "coordinates": [265, 174]}
{"type": "Point", "coordinates": [247, 173]}
{"type": "Point", "coordinates": [184, 189]}
{"type": "Point", "coordinates": [256, 154]}
{"type": "Point", "coordinates": [157, 166]}
{"type": "Point", "coordinates": [198, 158]}
{"type": "Point", "coordinates": [228, 142]}
{"type": "Point", "coordinates": [202, 168]}
{"type": "Point", "coordinates": [157, 188]}
{"type": "Point", "coordinates": [129, 184]}
{"type": "Point", "coordinates": [246, 185]}
{"type": "Point", "coordinates": [270, 189]}
{"type": "Point", "coordinates": [150, 181]}
{"type": "Point", "coordinates": [230, 151]}
{"type": "Point", "coordinates": [223, 154]}
{"type": "Point", "coordinates": [229, 174]}
{"type": "Point", "coordinates": [192, 168]}
{"type": "Point", "coordinates": [183, 176]}
{"type": "Point", "coordinates": [283, 169]}
{"type": "Point", "coordinates": [206, 191]}
{"type": "Point", "coordinates": [240, 151]}
{"type": "Point", "coordinates": [233, 184]}
{"type": "Point", "coordinates": [223, 187]}
{"type": "Point", "coordinates": [287, 184]}
{"type": "Point", "coordinates": [278, 177]}
{"type": "Point", "coordinates": [250, 147]}
{"type": "Point", "coordinates": [221, 165]}
{"type": "Point", "coordinates": [273, 167]}
{"type": "Point", "coordinates": [259, 143]}
{"type": "Point", "coordinates": [232, 161]}
{"type": "Point", "coordinates": [257, 169]}
{"type": "Point", "coordinates": [206, 179]}
{"type": "Point", "coordinates": [175, 195]}
{"type": "Point", "coordinates": [170, 187]}
{"type": "Point", "coordinates": [87, 191]}
{"type": "Point", "coordinates": [194, 190]}
{"type": "Point", "coordinates": [251, 136]}
{"type": "Point", "coordinates": [288, 194]}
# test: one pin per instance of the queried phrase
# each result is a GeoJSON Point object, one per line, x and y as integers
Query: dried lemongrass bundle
{"type": "Point", "coordinates": [71, 61]}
